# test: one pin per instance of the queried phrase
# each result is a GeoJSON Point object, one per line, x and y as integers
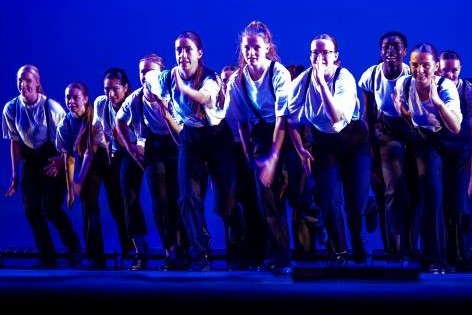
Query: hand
{"type": "Point", "coordinates": [77, 188]}
{"type": "Point", "coordinates": [433, 92]}
{"type": "Point", "coordinates": [55, 166]}
{"type": "Point", "coordinates": [400, 104]}
{"type": "Point", "coordinates": [306, 159]}
{"type": "Point", "coordinates": [70, 198]}
{"type": "Point", "coordinates": [12, 189]}
{"type": "Point", "coordinates": [319, 70]}
{"type": "Point", "coordinates": [137, 153]}
{"type": "Point", "coordinates": [267, 168]}
{"type": "Point", "coordinates": [179, 83]}
{"type": "Point", "coordinates": [148, 95]}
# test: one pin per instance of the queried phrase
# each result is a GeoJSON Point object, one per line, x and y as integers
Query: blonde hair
{"type": "Point", "coordinates": [35, 72]}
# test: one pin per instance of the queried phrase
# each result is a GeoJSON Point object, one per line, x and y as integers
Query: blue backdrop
{"type": "Point", "coordinates": [78, 40]}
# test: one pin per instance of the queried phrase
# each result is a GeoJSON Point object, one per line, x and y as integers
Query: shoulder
{"type": "Point", "coordinates": [164, 75]}
{"type": "Point", "coordinates": [368, 72]}
{"type": "Point", "coordinates": [210, 74]}
{"type": "Point", "coordinates": [55, 106]}
{"type": "Point", "coordinates": [467, 82]}
{"type": "Point", "coordinates": [234, 81]}
{"type": "Point", "coordinates": [281, 71]}
{"type": "Point", "coordinates": [100, 100]}
{"type": "Point", "coordinates": [303, 77]}
{"type": "Point", "coordinates": [406, 68]}
{"type": "Point", "coordinates": [404, 79]}
{"type": "Point", "coordinates": [64, 124]}
{"type": "Point", "coordinates": [368, 76]}
{"type": "Point", "coordinates": [343, 74]}
{"type": "Point", "coordinates": [10, 105]}
{"type": "Point", "coordinates": [134, 96]}
{"type": "Point", "coordinates": [445, 83]}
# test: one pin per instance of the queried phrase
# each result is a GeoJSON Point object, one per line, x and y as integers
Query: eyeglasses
{"type": "Point", "coordinates": [325, 53]}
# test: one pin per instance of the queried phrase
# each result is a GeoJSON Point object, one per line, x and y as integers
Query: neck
{"type": "Point", "coordinates": [256, 71]}
{"type": "Point", "coordinates": [79, 113]}
{"type": "Point", "coordinates": [392, 71]}
{"type": "Point", "coordinates": [187, 74]}
{"type": "Point", "coordinates": [30, 100]}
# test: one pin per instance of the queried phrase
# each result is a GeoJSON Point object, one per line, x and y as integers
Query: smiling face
{"type": "Point", "coordinates": [187, 55]}
{"type": "Point", "coordinates": [423, 66]}
{"type": "Point", "coordinates": [28, 85]}
{"type": "Point", "coordinates": [392, 50]}
{"type": "Point", "coordinates": [450, 68]}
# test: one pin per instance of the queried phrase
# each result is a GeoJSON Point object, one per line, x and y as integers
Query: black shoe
{"type": "Point", "coordinates": [139, 263]}
{"type": "Point", "coordinates": [200, 264]}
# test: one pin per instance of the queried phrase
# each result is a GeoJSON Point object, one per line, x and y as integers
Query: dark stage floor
{"type": "Point", "coordinates": [377, 287]}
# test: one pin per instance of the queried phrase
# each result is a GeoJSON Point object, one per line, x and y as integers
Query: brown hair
{"type": "Point", "coordinates": [86, 135]}
{"type": "Point", "coordinates": [260, 29]}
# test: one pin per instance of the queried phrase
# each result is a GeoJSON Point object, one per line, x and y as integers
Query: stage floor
{"type": "Point", "coordinates": [312, 288]}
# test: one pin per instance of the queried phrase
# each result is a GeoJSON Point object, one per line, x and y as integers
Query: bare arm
{"type": "Point", "coordinates": [69, 162]}
{"type": "Point", "coordinates": [15, 155]}
{"type": "Point", "coordinates": [333, 113]}
{"type": "Point", "coordinates": [269, 163]}
{"type": "Point", "coordinates": [194, 95]}
{"type": "Point", "coordinates": [172, 125]}
{"type": "Point", "coordinates": [122, 132]}
{"type": "Point", "coordinates": [243, 128]}
{"type": "Point", "coordinates": [303, 153]}
{"type": "Point", "coordinates": [85, 168]}
{"type": "Point", "coordinates": [161, 106]}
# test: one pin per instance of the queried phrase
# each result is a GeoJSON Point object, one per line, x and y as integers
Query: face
{"type": "Point", "coordinates": [423, 66]}
{"type": "Point", "coordinates": [392, 50]}
{"type": "Point", "coordinates": [75, 101]}
{"type": "Point", "coordinates": [28, 85]}
{"type": "Point", "coordinates": [115, 91]}
{"type": "Point", "coordinates": [144, 67]}
{"type": "Point", "coordinates": [187, 55]}
{"type": "Point", "coordinates": [323, 49]}
{"type": "Point", "coordinates": [254, 50]}
{"type": "Point", "coordinates": [451, 69]}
